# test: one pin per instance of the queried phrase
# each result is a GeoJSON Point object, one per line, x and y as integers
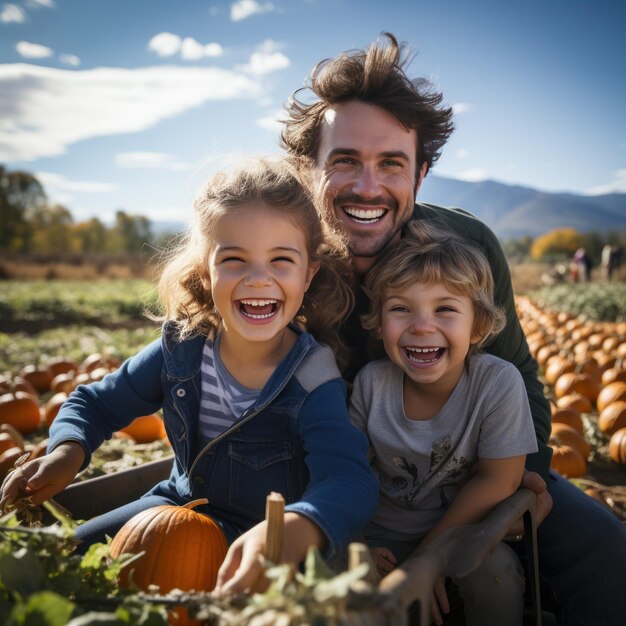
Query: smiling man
{"type": "Point", "coordinates": [373, 134]}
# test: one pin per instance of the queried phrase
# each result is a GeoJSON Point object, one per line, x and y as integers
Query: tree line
{"type": "Point", "coordinates": [561, 244]}
{"type": "Point", "coordinates": [32, 225]}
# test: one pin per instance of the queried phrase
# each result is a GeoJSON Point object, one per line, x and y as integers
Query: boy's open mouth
{"type": "Point", "coordinates": [258, 309]}
{"type": "Point", "coordinates": [424, 355]}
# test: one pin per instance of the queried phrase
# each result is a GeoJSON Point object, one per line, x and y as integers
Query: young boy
{"type": "Point", "coordinates": [449, 427]}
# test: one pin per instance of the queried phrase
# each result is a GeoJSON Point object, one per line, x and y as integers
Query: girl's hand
{"type": "Point", "coordinates": [384, 559]}
{"type": "Point", "coordinates": [44, 477]}
{"type": "Point", "coordinates": [243, 566]}
{"type": "Point", "coordinates": [439, 603]}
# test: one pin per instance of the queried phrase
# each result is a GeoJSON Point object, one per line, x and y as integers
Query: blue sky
{"type": "Point", "coordinates": [132, 104]}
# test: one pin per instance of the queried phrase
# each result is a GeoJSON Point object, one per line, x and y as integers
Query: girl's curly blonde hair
{"type": "Point", "coordinates": [280, 184]}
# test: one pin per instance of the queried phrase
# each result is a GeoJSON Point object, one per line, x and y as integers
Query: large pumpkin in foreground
{"type": "Point", "coordinates": [183, 550]}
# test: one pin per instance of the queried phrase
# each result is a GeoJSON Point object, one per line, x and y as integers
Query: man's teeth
{"type": "Point", "coordinates": [367, 215]}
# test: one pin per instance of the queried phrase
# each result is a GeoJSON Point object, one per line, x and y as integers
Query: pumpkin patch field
{"type": "Point", "coordinates": [577, 334]}
{"type": "Point", "coordinates": [55, 335]}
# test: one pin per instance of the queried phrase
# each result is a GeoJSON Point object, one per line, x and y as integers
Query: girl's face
{"type": "Point", "coordinates": [259, 270]}
{"type": "Point", "coordinates": [427, 331]}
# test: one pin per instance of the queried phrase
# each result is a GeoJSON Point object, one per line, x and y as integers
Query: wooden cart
{"type": "Point", "coordinates": [456, 552]}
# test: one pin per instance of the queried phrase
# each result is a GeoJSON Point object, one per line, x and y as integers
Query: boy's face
{"type": "Point", "coordinates": [427, 331]}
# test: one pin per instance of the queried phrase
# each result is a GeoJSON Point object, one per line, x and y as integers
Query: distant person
{"type": "Point", "coordinates": [449, 426]}
{"type": "Point", "coordinates": [611, 261]}
{"type": "Point", "coordinates": [252, 403]}
{"type": "Point", "coordinates": [373, 134]}
{"type": "Point", "coordinates": [583, 265]}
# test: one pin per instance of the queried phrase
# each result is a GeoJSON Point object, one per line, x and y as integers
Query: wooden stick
{"type": "Point", "coordinates": [359, 553]}
{"type": "Point", "coordinates": [275, 516]}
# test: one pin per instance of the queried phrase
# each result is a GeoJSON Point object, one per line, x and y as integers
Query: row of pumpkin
{"type": "Point", "coordinates": [31, 399]}
{"type": "Point", "coordinates": [583, 364]}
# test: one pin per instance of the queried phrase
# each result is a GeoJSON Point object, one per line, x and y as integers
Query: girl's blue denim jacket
{"type": "Point", "coordinates": [296, 440]}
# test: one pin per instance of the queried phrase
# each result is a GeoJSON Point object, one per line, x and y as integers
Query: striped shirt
{"type": "Point", "coordinates": [222, 399]}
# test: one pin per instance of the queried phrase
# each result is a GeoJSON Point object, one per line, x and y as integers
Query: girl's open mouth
{"type": "Point", "coordinates": [258, 309]}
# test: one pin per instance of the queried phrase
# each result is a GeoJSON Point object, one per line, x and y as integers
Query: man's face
{"type": "Point", "coordinates": [367, 163]}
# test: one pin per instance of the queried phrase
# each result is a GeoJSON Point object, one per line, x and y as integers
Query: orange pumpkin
{"type": "Point", "coordinates": [8, 459]}
{"type": "Point", "coordinates": [567, 461]}
{"type": "Point", "coordinates": [613, 374]}
{"type": "Point", "coordinates": [145, 429]}
{"type": "Point", "coordinates": [563, 434]}
{"type": "Point", "coordinates": [575, 401]}
{"type": "Point", "coordinates": [182, 549]}
{"type": "Point", "coordinates": [584, 384]}
{"type": "Point", "coordinates": [556, 367]}
{"type": "Point", "coordinates": [568, 416]}
{"type": "Point", "coordinates": [20, 410]}
{"type": "Point", "coordinates": [10, 437]}
{"type": "Point", "coordinates": [612, 417]}
{"type": "Point", "coordinates": [63, 382]}
{"type": "Point", "coordinates": [61, 365]}
{"type": "Point", "coordinates": [52, 407]}
{"type": "Point", "coordinates": [617, 446]}
{"type": "Point", "coordinates": [39, 377]}
{"type": "Point", "coordinates": [609, 394]}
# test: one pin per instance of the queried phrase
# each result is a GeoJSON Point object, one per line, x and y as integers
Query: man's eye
{"type": "Point", "coordinates": [344, 161]}
{"type": "Point", "coordinates": [392, 163]}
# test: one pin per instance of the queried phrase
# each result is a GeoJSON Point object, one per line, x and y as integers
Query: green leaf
{"type": "Point", "coordinates": [42, 609]}
{"type": "Point", "coordinates": [21, 571]}
{"type": "Point", "coordinates": [315, 568]}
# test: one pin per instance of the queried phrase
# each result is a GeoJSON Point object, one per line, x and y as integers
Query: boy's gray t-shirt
{"type": "Point", "coordinates": [421, 465]}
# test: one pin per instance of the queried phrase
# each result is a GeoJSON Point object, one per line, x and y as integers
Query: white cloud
{"type": "Point", "coordinates": [243, 9]}
{"type": "Point", "coordinates": [617, 185]}
{"type": "Point", "coordinates": [271, 121]}
{"type": "Point", "coordinates": [12, 13]}
{"type": "Point", "coordinates": [33, 50]}
{"type": "Point", "coordinates": [192, 50]}
{"type": "Point", "coordinates": [149, 160]}
{"type": "Point", "coordinates": [266, 59]}
{"type": "Point", "coordinates": [69, 59]}
{"type": "Point", "coordinates": [169, 44]}
{"type": "Point", "coordinates": [36, 4]}
{"type": "Point", "coordinates": [270, 45]}
{"type": "Point", "coordinates": [461, 107]}
{"type": "Point", "coordinates": [61, 190]}
{"type": "Point", "coordinates": [472, 175]}
{"type": "Point", "coordinates": [44, 110]}
{"type": "Point", "coordinates": [165, 44]}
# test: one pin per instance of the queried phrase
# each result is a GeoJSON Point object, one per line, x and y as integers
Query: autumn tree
{"type": "Point", "coordinates": [22, 198]}
{"type": "Point", "coordinates": [556, 243]}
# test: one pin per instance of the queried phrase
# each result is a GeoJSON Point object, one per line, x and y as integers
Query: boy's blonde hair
{"type": "Point", "coordinates": [281, 185]}
{"type": "Point", "coordinates": [430, 255]}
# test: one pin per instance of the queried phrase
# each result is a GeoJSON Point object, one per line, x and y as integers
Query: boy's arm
{"type": "Point", "coordinates": [495, 480]}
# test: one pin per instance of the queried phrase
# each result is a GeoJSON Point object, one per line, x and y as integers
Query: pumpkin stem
{"type": "Point", "coordinates": [194, 503]}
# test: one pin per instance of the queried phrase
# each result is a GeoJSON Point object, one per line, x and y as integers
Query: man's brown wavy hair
{"type": "Point", "coordinates": [375, 76]}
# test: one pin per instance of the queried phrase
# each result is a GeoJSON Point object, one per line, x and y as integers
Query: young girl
{"type": "Point", "coordinates": [449, 427]}
{"type": "Point", "coordinates": [251, 402]}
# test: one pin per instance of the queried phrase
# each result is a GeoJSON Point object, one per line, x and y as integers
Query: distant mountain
{"type": "Point", "coordinates": [512, 211]}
